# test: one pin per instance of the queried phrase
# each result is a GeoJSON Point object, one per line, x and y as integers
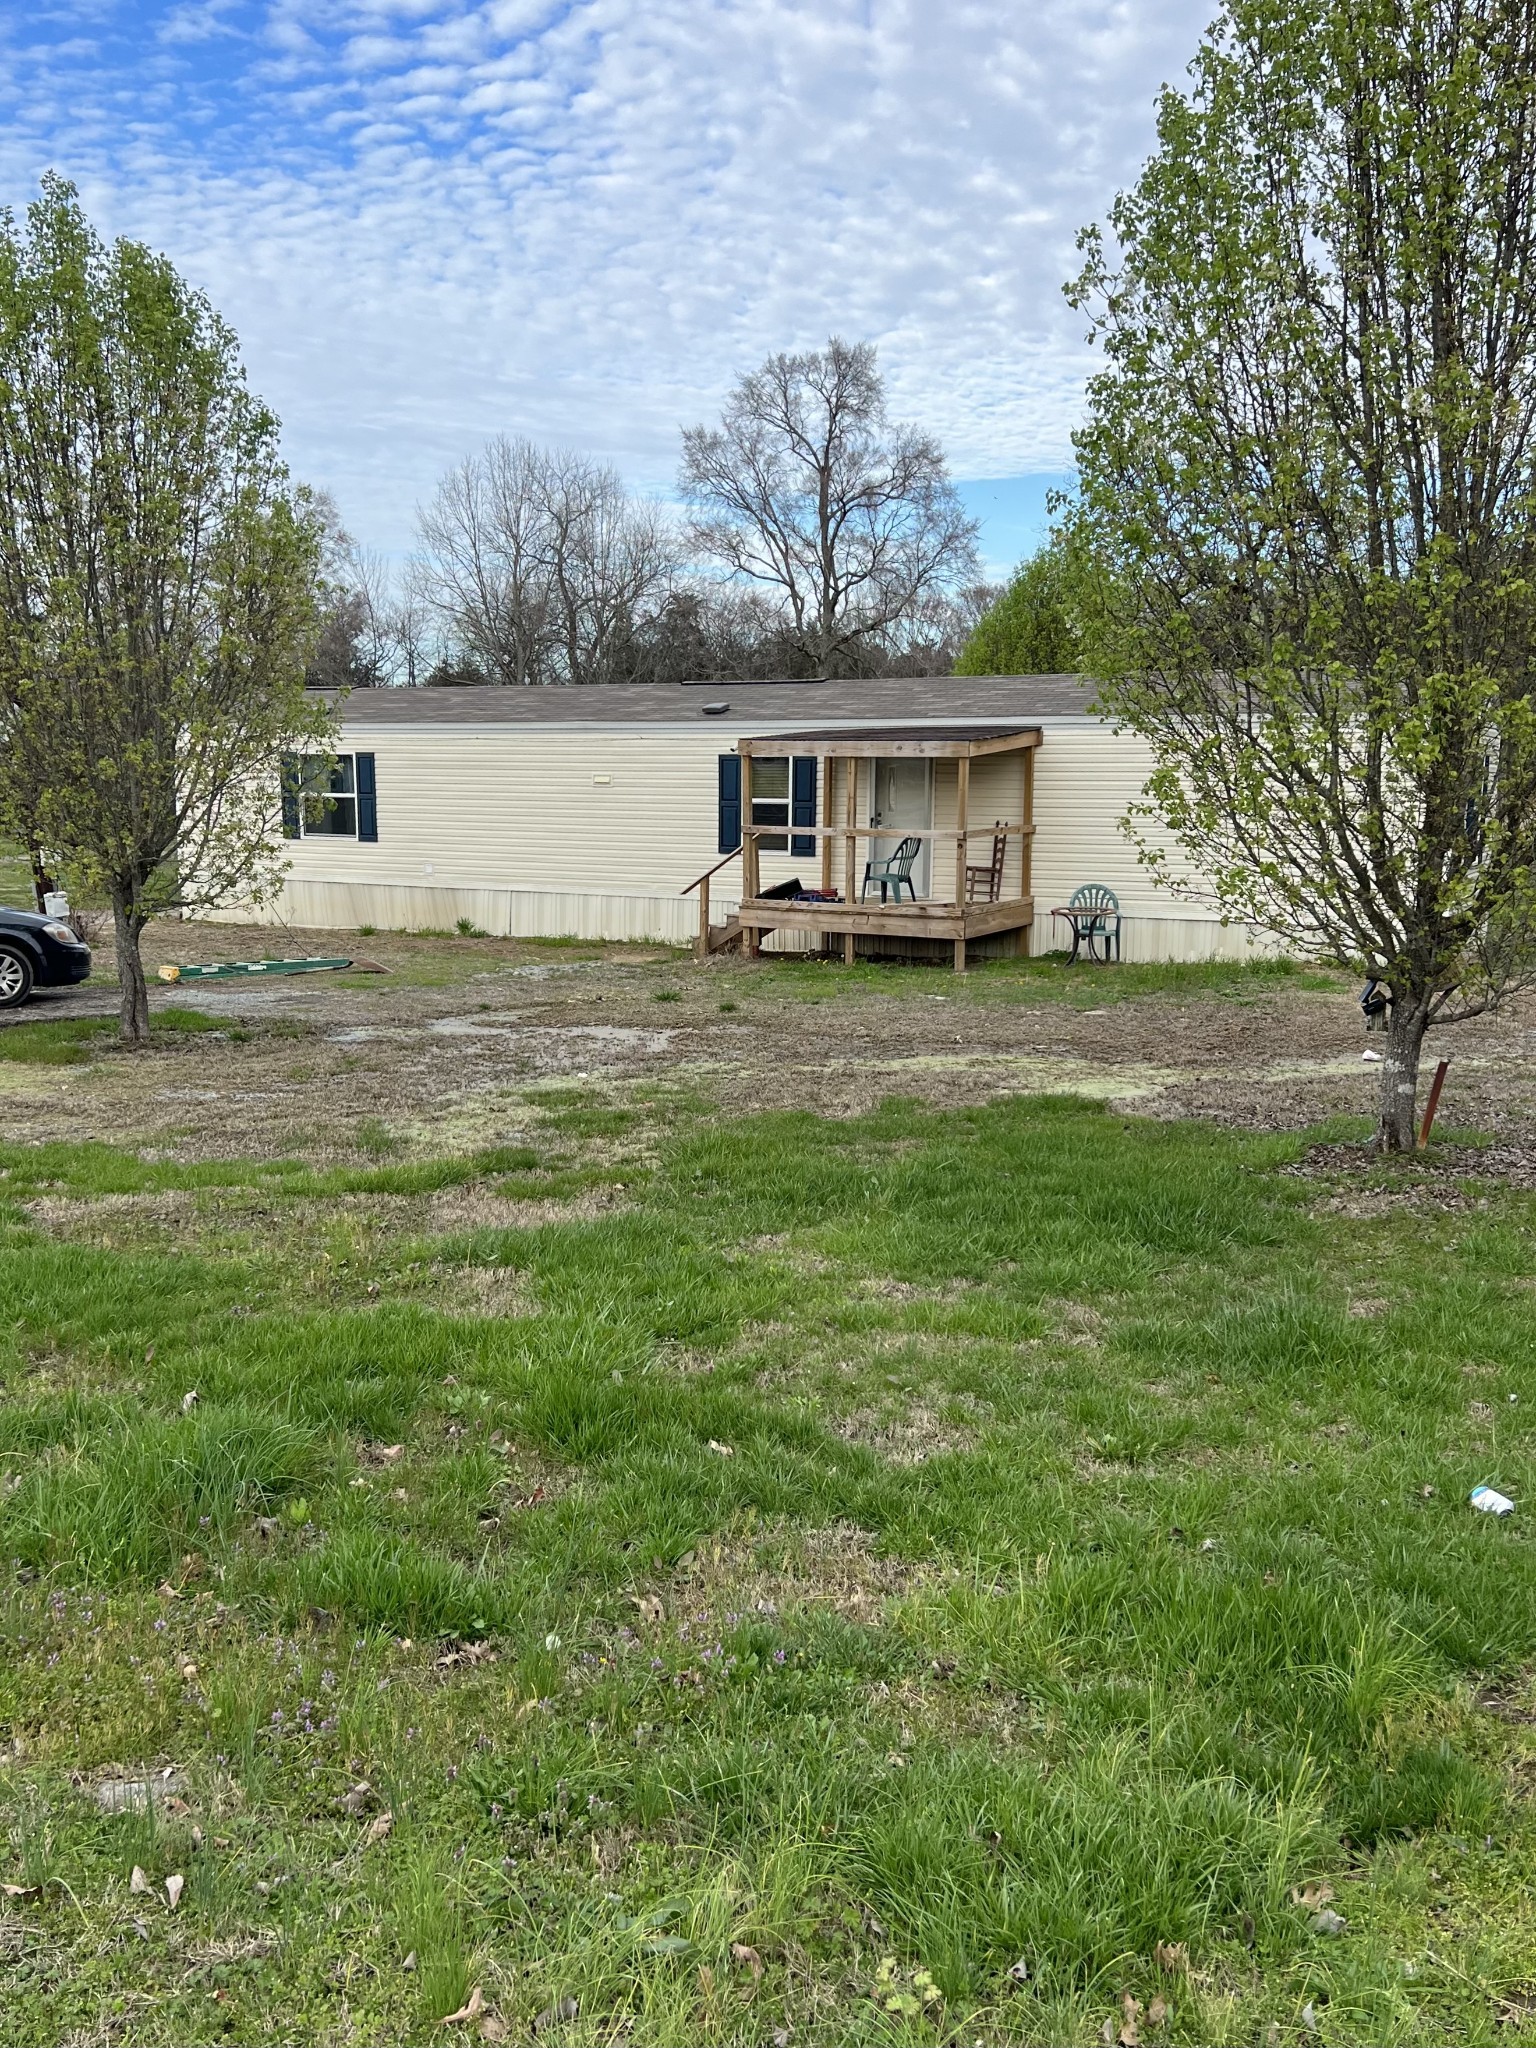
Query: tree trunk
{"type": "Point", "coordinates": [1397, 1129]}
{"type": "Point", "coordinates": [43, 884]}
{"type": "Point", "coordinates": [133, 1010]}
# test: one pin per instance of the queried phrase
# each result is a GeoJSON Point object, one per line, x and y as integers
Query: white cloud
{"type": "Point", "coordinates": [579, 219]}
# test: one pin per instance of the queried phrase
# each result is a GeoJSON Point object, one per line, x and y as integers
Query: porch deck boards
{"type": "Point", "coordinates": [926, 920]}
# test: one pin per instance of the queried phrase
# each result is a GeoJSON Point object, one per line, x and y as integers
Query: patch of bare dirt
{"type": "Point", "coordinates": [687, 1360]}
{"type": "Point", "coordinates": [1077, 1322]}
{"type": "Point", "coordinates": [1446, 1177]}
{"type": "Point", "coordinates": [479, 1208]}
{"type": "Point", "coordinates": [458, 1042]}
{"type": "Point", "coordinates": [69, 1215]}
{"type": "Point", "coordinates": [881, 1287]}
{"type": "Point", "coordinates": [906, 1436]}
{"type": "Point", "coordinates": [491, 1291]}
{"type": "Point", "coordinates": [779, 1569]}
{"type": "Point", "coordinates": [1360, 1204]}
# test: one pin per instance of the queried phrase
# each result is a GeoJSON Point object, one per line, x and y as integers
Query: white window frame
{"type": "Point", "coordinates": [783, 803]}
{"type": "Point", "coordinates": [333, 764]}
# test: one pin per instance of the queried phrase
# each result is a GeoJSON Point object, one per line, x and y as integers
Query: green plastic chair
{"type": "Point", "coordinates": [895, 872]}
{"type": "Point", "coordinates": [1094, 915]}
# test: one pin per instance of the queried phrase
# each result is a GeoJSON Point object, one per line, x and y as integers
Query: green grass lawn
{"type": "Point", "coordinates": [72, 1041]}
{"type": "Point", "coordinates": [1046, 978]}
{"type": "Point", "coordinates": [978, 1576]}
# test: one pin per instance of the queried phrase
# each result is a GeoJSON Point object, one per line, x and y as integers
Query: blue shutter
{"type": "Point", "coordinates": [367, 797]}
{"type": "Point", "coordinates": [289, 783]}
{"type": "Point", "coordinates": [802, 802]}
{"type": "Point", "coordinates": [730, 802]}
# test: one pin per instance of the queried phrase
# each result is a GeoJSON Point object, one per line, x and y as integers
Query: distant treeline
{"type": "Point", "coordinates": [818, 537]}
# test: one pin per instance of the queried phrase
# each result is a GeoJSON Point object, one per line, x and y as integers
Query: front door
{"type": "Point", "coordinates": [903, 801]}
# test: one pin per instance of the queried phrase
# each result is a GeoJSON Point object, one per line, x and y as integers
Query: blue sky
{"type": "Point", "coordinates": [434, 220]}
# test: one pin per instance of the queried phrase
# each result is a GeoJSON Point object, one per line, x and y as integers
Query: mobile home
{"type": "Point", "coordinates": [614, 812]}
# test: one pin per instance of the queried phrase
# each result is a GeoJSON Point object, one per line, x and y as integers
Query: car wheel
{"type": "Point", "coordinates": [15, 976]}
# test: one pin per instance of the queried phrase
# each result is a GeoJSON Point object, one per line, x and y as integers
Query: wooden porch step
{"type": "Point", "coordinates": [723, 936]}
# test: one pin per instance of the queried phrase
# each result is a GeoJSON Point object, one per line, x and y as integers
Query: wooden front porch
{"type": "Point", "coordinates": [959, 924]}
{"type": "Point", "coordinates": [966, 899]}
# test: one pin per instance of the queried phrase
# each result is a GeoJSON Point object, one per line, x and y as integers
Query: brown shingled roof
{"type": "Point", "coordinates": [886, 699]}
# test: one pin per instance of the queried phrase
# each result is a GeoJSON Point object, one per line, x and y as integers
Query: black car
{"type": "Point", "coordinates": [37, 952]}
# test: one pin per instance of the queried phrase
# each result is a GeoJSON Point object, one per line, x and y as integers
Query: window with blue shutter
{"type": "Point", "coordinates": [331, 796]}
{"type": "Point", "coordinates": [802, 802]}
{"type": "Point", "coordinates": [367, 798]}
{"type": "Point", "coordinates": [730, 802]}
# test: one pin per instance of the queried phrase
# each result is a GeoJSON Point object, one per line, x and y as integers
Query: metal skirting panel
{"type": "Point", "coordinates": [504, 913]}
{"type": "Point", "coordinates": [1148, 939]}
{"type": "Point", "coordinates": [672, 921]}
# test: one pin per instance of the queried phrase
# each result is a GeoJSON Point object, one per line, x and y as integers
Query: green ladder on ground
{"type": "Point", "coordinates": [230, 970]}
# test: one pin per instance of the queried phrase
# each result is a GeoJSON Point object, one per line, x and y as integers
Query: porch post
{"type": "Point", "coordinates": [749, 873]}
{"type": "Point", "coordinates": [1027, 846]}
{"type": "Point", "coordinates": [850, 848]}
{"type": "Point", "coordinates": [826, 819]}
{"type": "Point", "coordinates": [962, 821]}
{"type": "Point", "coordinates": [752, 938]}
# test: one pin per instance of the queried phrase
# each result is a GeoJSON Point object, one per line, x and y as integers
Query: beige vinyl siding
{"type": "Point", "coordinates": [504, 913]}
{"type": "Point", "coordinates": [840, 772]}
{"type": "Point", "coordinates": [1087, 777]}
{"type": "Point", "coordinates": [515, 829]}
{"type": "Point", "coordinates": [997, 792]}
{"type": "Point", "coordinates": [526, 809]}
{"type": "Point", "coordinates": [518, 831]}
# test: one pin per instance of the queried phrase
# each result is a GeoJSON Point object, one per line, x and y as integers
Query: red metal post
{"type": "Point", "coordinates": [1433, 1103]}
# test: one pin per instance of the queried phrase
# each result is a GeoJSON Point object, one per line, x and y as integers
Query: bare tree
{"type": "Point", "coordinates": [481, 563]}
{"type": "Point", "coordinates": [931, 641]}
{"type": "Point", "coordinates": [343, 652]}
{"type": "Point", "coordinates": [807, 489]}
{"type": "Point", "coordinates": [403, 628]}
{"type": "Point", "coordinates": [541, 567]}
{"type": "Point", "coordinates": [389, 619]}
{"type": "Point", "coordinates": [375, 626]}
{"type": "Point", "coordinates": [709, 627]}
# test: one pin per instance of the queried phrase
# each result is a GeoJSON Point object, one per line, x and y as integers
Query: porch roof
{"type": "Point", "coordinates": [917, 742]}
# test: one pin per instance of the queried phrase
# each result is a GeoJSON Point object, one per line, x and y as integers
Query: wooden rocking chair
{"type": "Point", "coordinates": [984, 884]}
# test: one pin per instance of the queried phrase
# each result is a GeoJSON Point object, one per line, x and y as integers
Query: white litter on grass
{"type": "Point", "coordinates": [1489, 1502]}
{"type": "Point", "coordinates": [136, 1795]}
{"type": "Point", "coordinates": [1375, 1056]}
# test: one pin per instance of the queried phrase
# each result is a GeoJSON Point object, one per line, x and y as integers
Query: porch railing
{"type": "Point", "coordinates": [850, 835]}
{"type": "Point", "coordinates": [701, 883]}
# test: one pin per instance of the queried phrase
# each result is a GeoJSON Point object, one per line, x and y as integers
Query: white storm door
{"type": "Point", "coordinates": [903, 802]}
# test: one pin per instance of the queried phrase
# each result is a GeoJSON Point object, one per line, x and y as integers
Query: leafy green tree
{"type": "Point", "coordinates": [1309, 469]}
{"type": "Point", "coordinates": [157, 584]}
{"type": "Point", "coordinates": [1032, 629]}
